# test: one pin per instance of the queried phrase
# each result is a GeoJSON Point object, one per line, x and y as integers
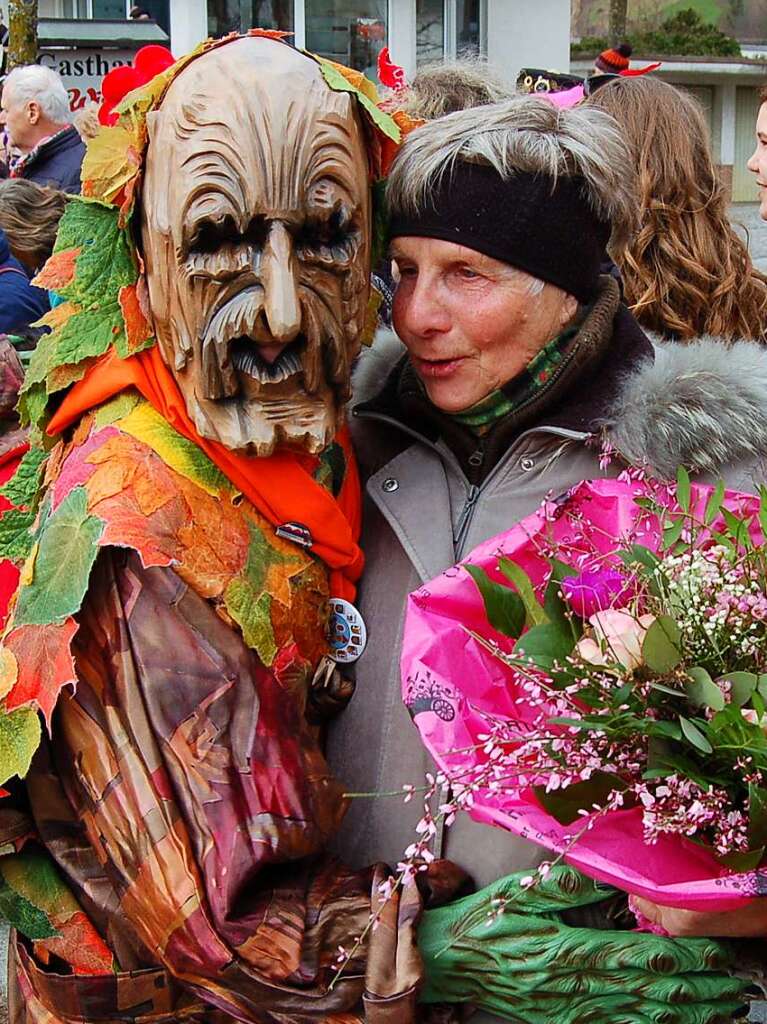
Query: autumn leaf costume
{"type": "Point", "coordinates": [163, 858]}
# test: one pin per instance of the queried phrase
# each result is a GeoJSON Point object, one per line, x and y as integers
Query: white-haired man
{"type": "Point", "coordinates": [35, 113]}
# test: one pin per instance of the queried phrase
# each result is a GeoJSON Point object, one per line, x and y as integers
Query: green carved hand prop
{"type": "Point", "coordinates": [527, 965]}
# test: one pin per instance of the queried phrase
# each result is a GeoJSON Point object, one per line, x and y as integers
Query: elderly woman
{"type": "Point", "coordinates": [518, 361]}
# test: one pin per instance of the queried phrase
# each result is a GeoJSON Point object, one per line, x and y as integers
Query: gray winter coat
{"type": "Point", "coordinates": [700, 404]}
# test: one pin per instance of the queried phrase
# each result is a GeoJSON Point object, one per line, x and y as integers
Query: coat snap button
{"type": "Point", "coordinates": [527, 464]}
{"type": "Point", "coordinates": [390, 484]}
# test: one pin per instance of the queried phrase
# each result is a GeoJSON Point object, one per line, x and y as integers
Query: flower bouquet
{"type": "Point", "coordinates": [595, 680]}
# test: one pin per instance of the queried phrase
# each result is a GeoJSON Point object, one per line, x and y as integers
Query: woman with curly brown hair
{"type": "Point", "coordinates": [29, 216]}
{"type": "Point", "coordinates": [685, 270]}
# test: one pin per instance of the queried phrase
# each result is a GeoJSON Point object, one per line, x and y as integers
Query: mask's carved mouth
{"type": "Point", "coordinates": [246, 358]}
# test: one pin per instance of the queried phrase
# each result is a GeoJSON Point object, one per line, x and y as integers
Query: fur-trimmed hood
{"type": "Point", "coordinates": [701, 404]}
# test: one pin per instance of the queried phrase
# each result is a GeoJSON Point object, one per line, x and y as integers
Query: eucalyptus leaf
{"type": "Point", "coordinates": [693, 734]}
{"type": "Point", "coordinates": [703, 691]}
{"type": "Point", "coordinates": [742, 686]}
{"type": "Point", "coordinates": [661, 649]}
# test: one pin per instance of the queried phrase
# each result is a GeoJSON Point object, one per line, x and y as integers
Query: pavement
{"type": "Point", "coordinates": [746, 218]}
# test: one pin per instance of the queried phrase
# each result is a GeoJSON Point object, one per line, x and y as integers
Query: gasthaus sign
{"type": "Point", "coordinates": [82, 70]}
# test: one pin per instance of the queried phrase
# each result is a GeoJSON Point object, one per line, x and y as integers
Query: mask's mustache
{"type": "Point", "coordinates": [321, 344]}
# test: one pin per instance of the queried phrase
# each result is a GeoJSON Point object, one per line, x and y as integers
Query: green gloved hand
{"type": "Point", "coordinates": [527, 965]}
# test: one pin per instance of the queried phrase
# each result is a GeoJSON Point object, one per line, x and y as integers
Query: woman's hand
{"type": "Point", "coordinates": [748, 922]}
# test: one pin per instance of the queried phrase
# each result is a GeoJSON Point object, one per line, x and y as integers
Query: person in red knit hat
{"type": "Point", "coordinates": [613, 61]}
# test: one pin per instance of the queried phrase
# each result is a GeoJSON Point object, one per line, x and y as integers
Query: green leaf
{"type": "Point", "coordinates": [336, 81]}
{"type": "Point", "coordinates": [683, 488]}
{"type": "Point", "coordinates": [667, 730]}
{"type": "Point", "coordinates": [105, 263]}
{"type": "Point", "coordinates": [761, 686]}
{"type": "Point", "coordinates": [672, 531]}
{"type": "Point", "coordinates": [714, 504]}
{"type": "Point", "coordinates": [68, 545]}
{"type": "Point", "coordinates": [642, 555]}
{"type": "Point", "coordinates": [564, 804]}
{"type": "Point", "coordinates": [757, 815]}
{"type": "Point", "coordinates": [504, 608]}
{"type": "Point", "coordinates": [24, 916]}
{"type": "Point", "coordinates": [763, 510]}
{"type": "Point", "coordinates": [702, 690]}
{"type": "Point", "coordinates": [22, 489]}
{"type": "Point", "coordinates": [693, 735]}
{"type": "Point", "coordinates": [745, 860]}
{"type": "Point", "coordinates": [88, 334]}
{"type": "Point", "coordinates": [742, 686]}
{"type": "Point", "coordinates": [16, 538]}
{"type": "Point", "coordinates": [548, 645]}
{"type": "Point", "coordinates": [535, 614]}
{"type": "Point", "coordinates": [661, 649]}
{"type": "Point", "coordinates": [249, 602]}
{"type": "Point", "coordinates": [253, 614]}
{"type": "Point", "coordinates": [739, 528]}
{"type": "Point", "coordinates": [33, 402]}
{"type": "Point", "coordinates": [19, 739]}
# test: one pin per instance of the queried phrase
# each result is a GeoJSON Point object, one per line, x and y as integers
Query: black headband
{"type": "Point", "coordinates": [547, 229]}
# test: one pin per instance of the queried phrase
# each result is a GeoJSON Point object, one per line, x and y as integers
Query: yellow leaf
{"type": "Point", "coordinates": [147, 425]}
{"type": "Point", "coordinates": [9, 671]}
{"type": "Point", "coordinates": [111, 160]}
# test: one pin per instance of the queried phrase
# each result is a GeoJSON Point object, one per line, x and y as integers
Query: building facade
{"type": "Point", "coordinates": [511, 33]}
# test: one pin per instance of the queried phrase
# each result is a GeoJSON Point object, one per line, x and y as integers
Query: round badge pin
{"type": "Point", "coordinates": [348, 633]}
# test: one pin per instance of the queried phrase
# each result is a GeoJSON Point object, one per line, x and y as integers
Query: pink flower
{"type": "Point", "coordinates": [592, 592]}
{"type": "Point", "coordinates": [618, 638]}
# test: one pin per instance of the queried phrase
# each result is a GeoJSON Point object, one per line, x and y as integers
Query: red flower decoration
{"type": "Point", "coordinates": [149, 61]}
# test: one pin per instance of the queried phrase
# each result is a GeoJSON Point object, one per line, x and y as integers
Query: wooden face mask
{"type": "Point", "coordinates": [256, 240]}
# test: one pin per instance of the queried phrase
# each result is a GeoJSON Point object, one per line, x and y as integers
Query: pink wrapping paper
{"type": "Point", "coordinates": [454, 689]}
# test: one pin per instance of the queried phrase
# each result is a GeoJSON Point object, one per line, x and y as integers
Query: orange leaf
{"type": "Point", "coordinates": [137, 329]}
{"type": "Point", "coordinates": [59, 271]}
{"type": "Point", "coordinates": [79, 945]}
{"type": "Point", "coordinates": [45, 664]}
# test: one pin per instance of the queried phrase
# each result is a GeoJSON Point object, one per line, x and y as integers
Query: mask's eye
{"type": "Point", "coordinates": [209, 235]}
{"type": "Point", "coordinates": [331, 238]}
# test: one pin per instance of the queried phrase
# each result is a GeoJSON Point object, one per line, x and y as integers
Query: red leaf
{"type": "Point", "coordinates": [137, 328]}
{"type": "Point", "coordinates": [45, 664]}
{"type": "Point", "coordinates": [59, 271]}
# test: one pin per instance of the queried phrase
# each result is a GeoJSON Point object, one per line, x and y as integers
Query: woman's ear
{"type": "Point", "coordinates": [567, 310]}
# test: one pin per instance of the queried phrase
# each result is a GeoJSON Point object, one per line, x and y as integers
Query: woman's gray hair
{"type": "Point", "coordinates": [527, 135]}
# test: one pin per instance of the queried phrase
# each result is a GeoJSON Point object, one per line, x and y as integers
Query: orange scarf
{"type": "Point", "coordinates": [280, 486]}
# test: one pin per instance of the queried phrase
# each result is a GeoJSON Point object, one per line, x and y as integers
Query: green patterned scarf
{"type": "Point", "coordinates": [490, 410]}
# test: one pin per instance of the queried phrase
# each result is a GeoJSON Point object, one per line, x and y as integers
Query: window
{"type": "Point", "coordinates": [430, 30]}
{"type": "Point", "coordinates": [467, 26]}
{"type": "Point", "coordinates": [239, 15]}
{"type": "Point", "coordinates": [351, 32]}
{"type": "Point", "coordinates": [112, 10]}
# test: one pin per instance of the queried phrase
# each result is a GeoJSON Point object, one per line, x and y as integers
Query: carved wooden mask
{"type": "Point", "coordinates": [256, 239]}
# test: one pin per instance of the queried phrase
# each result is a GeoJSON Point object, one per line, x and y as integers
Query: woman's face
{"type": "Point", "coordinates": [470, 323]}
{"type": "Point", "coordinates": [758, 161]}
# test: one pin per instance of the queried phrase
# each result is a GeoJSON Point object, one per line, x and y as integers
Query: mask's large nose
{"type": "Point", "coordinates": [278, 278]}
